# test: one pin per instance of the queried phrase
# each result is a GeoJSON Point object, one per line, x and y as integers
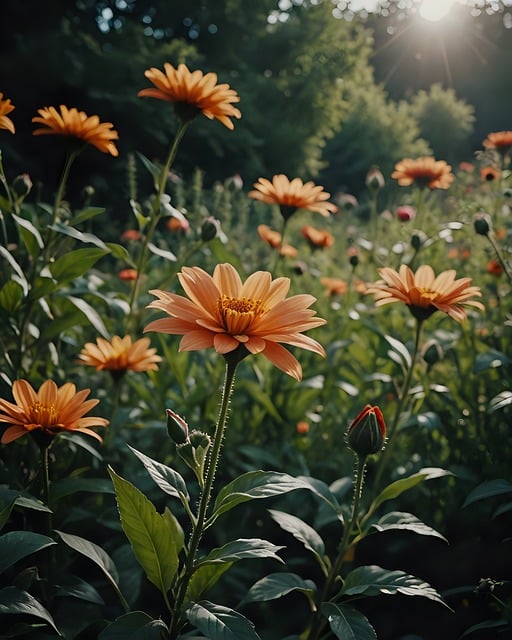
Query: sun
{"type": "Point", "coordinates": [434, 10]}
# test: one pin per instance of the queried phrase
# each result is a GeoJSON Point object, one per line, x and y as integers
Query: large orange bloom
{"type": "Point", "coordinates": [193, 93]}
{"type": "Point", "coordinates": [5, 108]}
{"type": "Point", "coordinates": [49, 410]}
{"type": "Point", "coordinates": [499, 140]}
{"type": "Point", "coordinates": [77, 124]}
{"type": "Point", "coordinates": [291, 195]}
{"type": "Point", "coordinates": [224, 313]}
{"type": "Point", "coordinates": [424, 293]}
{"type": "Point", "coordinates": [435, 174]}
{"type": "Point", "coordinates": [120, 355]}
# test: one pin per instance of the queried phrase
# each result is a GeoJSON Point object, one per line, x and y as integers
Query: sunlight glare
{"type": "Point", "coordinates": [435, 10]}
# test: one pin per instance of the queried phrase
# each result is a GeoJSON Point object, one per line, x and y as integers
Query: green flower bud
{"type": "Point", "coordinates": [177, 428]}
{"type": "Point", "coordinates": [22, 185]}
{"type": "Point", "coordinates": [432, 352]}
{"type": "Point", "coordinates": [367, 432]}
{"type": "Point", "coordinates": [210, 229]}
{"type": "Point", "coordinates": [482, 223]}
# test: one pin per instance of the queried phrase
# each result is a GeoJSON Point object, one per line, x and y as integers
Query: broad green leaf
{"type": "Point", "coordinates": [30, 235]}
{"type": "Point", "coordinates": [277, 585]}
{"type": "Point", "coordinates": [302, 532]}
{"type": "Point", "coordinates": [406, 522]}
{"type": "Point", "coordinates": [400, 348]}
{"type": "Point", "coordinates": [9, 498]}
{"type": "Point", "coordinates": [503, 399]}
{"type": "Point", "coordinates": [15, 545]}
{"type": "Point", "coordinates": [373, 581]}
{"type": "Point", "coordinates": [5, 253]}
{"type": "Point", "coordinates": [166, 478]}
{"type": "Point", "coordinates": [135, 625]}
{"type": "Point", "coordinates": [42, 287]}
{"type": "Point", "coordinates": [348, 623]}
{"type": "Point", "coordinates": [241, 549]}
{"type": "Point", "coordinates": [149, 533]}
{"type": "Point", "coordinates": [491, 359]}
{"type": "Point", "coordinates": [86, 214]}
{"type": "Point", "coordinates": [75, 263]}
{"type": "Point", "coordinates": [6, 506]}
{"type": "Point", "coordinates": [91, 314]}
{"type": "Point", "coordinates": [97, 555]}
{"type": "Point", "coordinates": [74, 587]}
{"type": "Point", "coordinates": [161, 253]}
{"type": "Point", "coordinates": [220, 623]}
{"type": "Point", "coordinates": [500, 625]}
{"type": "Point", "coordinates": [16, 601]}
{"type": "Point", "coordinates": [488, 489]}
{"type": "Point", "coordinates": [322, 490]}
{"type": "Point", "coordinates": [398, 487]}
{"type": "Point", "coordinates": [85, 238]}
{"type": "Point", "coordinates": [11, 295]}
{"type": "Point", "coordinates": [120, 252]}
{"type": "Point", "coordinates": [204, 578]}
{"type": "Point", "coordinates": [68, 486]}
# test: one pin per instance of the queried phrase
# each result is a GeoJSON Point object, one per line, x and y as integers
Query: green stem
{"type": "Point", "coordinates": [156, 214]}
{"type": "Point", "coordinates": [277, 255]}
{"type": "Point", "coordinates": [3, 180]}
{"type": "Point", "coordinates": [391, 437]}
{"type": "Point", "coordinates": [499, 255]}
{"type": "Point", "coordinates": [204, 501]}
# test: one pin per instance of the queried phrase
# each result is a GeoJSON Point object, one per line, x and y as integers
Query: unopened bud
{"type": "Point", "coordinates": [210, 229]}
{"type": "Point", "coordinates": [418, 238]}
{"type": "Point", "coordinates": [374, 179]}
{"type": "Point", "coordinates": [482, 223]}
{"type": "Point", "coordinates": [22, 185]}
{"type": "Point", "coordinates": [367, 433]}
{"type": "Point", "coordinates": [177, 428]}
{"type": "Point", "coordinates": [405, 213]}
{"type": "Point", "coordinates": [432, 352]}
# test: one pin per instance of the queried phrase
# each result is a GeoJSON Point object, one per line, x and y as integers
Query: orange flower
{"type": "Point", "coordinates": [50, 410]}
{"type": "Point", "coordinates": [193, 93]}
{"type": "Point", "coordinates": [273, 238]}
{"type": "Point", "coordinates": [5, 108]}
{"type": "Point", "coordinates": [224, 313]}
{"type": "Point", "coordinates": [424, 293]}
{"type": "Point", "coordinates": [489, 174]}
{"type": "Point", "coordinates": [120, 355]}
{"type": "Point", "coordinates": [131, 235]}
{"type": "Point", "coordinates": [334, 286]}
{"type": "Point", "coordinates": [500, 140]}
{"type": "Point", "coordinates": [302, 427]}
{"type": "Point", "coordinates": [291, 195]}
{"type": "Point", "coordinates": [177, 225]}
{"type": "Point", "coordinates": [467, 167]}
{"type": "Point", "coordinates": [77, 124]}
{"type": "Point", "coordinates": [317, 237]}
{"type": "Point", "coordinates": [435, 174]}
{"type": "Point", "coordinates": [494, 267]}
{"type": "Point", "coordinates": [127, 274]}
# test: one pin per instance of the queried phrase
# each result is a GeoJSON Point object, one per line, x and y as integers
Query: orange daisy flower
{"type": "Point", "coordinates": [334, 286]}
{"type": "Point", "coordinates": [5, 108]}
{"type": "Point", "coordinates": [435, 174]}
{"type": "Point", "coordinates": [120, 355]}
{"type": "Point", "coordinates": [424, 293]}
{"type": "Point", "coordinates": [317, 237]}
{"type": "Point", "coordinates": [273, 238]}
{"type": "Point", "coordinates": [499, 140]}
{"type": "Point", "coordinates": [291, 195]}
{"type": "Point", "coordinates": [225, 313]}
{"type": "Point", "coordinates": [77, 124]}
{"type": "Point", "coordinates": [50, 410]}
{"type": "Point", "coordinates": [127, 274]}
{"type": "Point", "coordinates": [193, 93]}
{"type": "Point", "coordinates": [489, 174]}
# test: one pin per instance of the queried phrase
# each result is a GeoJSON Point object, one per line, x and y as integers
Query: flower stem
{"type": "Point", "coordinates": [401, 403]}
{"type": "Point", "coordinates": [3, 180]}
{"type": "Point", "coordinates": [204, 501]}
{"type": "Point", "coordinates": [499, 255]}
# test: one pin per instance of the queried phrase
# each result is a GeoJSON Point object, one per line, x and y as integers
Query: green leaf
{"type": "Point", "coordinates": [320, 489]}
{"type": "Point", "coordinates": [69, 486]}
{"type": "Point", "coordinates": [16, 601]}
{"type": "Point", "coordinates": [241, 549]}
{"type": "Point", "coordinates": [15, 545]}
{"type": "Point", "coordinates": [75, 263]}
{"type": "Point", "coordinates": [91, 314]}
{"type": "Point", "coordinates": [161, 253]}
{"type": "Point", "coordinates": [491, 359]}
{"type": "Point", "coordinates": [348, 623]}
{"type": "Point", "coordinates": [220, 623]}
{"type": "Point", "coordinates": [503, 399]}
{"type": "Point", "coordinates": [11, 295]}
{"type": "Point", "coordinates": [204, 578]}
{"type": "Point", "coordinates": [151, 167]}
{"type": "Point", "coordinates": [86, 214]}
{"type": "Point", "coordinates": [42, 287]}
{"type": "Point", "coordinates": [74, 587]}
{"type": "Point", "coordinates": [256, 393]}
{"type": "Point", "coordinates": [277, 585]}
{"type": "Point", "coordinates": [135, 625]}
{"type": "Point", "coordinates": [406, 522]}
{"type": "Point", "coordinates": [16, 268]}
{"type": "Point", "coordinates": [120, 252]}
{"type": "Point", "coordinates": [500, 624]}
{"type": "Point", "coordinates": [166, 478]}
{"type": "Point", "coordinates": [85, 238]}
{"type": "Point", "coordinates": [488, 489]}
{"type": "Point", "coordinates": [373, 581]}
{"type": "Point", "coordinates": [399, 348]}
{"type": "Point", "coordinates": [9, 498]}
{"type": "Point", "coordinates": [149, 533]}
{"type": "Point", "coordinates": [398, 487]}
{"type": "Point", "coordinates": [302, 532]}
{"type": "Point", "coordinates": [30, 235]}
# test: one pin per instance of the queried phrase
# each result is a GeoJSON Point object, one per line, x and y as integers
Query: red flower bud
{"type": "Point", "coordinates": [177, 428]}
{"type": "Point", "coordinates": [367, 433]}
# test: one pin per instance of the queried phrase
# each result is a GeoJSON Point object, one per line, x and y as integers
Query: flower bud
{"type": "Point", "coordinates": [210, 229]}
{"type": "Point", "coordinates": [432, 352]}
{"type": "Point", "coordinates": [405, 213]}
{"type": "Point", "coordinates": [482, 223]}
{"type": "Point", "coordinates": [177, 428]}
{"type": "Point", "coordinates": [367, 433]}
{"type": "Point", "coordinates": [22, 185]}
{"type": "Point", "coordinates": [374, 179]}
{"type": "Point", "coordinates": [418, 238]}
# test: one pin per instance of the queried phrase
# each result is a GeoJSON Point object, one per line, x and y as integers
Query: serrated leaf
{"type": "Point", "coordinates": [406, 522]}
{"type": "Point", "coordinates": [204, 578]}
{"type": "Point", "coordinates": [135, 625]}
{"type": "Point", "coordinates": [373, 580]}
{"type": "Point", "coordinates": [75, 263]}
{"type": "Point", "coordinates": [148, 532]}
{"type": "Point", "coordinates": [16, 601]}
{"type": "Point", "coordinates": [241, 549]}
{"type": "Point", "coordinates": [16, 545]}
{"type": "Point", "coordinates": [488, 489]}
{"type": "Point", "coordinates": [220, 623]}
{"type": "Point", "coordinates": [302, 532]}
{"type": "Point", "coordinates": [348, 623]}
{"type": "Point", "coordinates": [277, 585]}
{"type": "Point", "coordinates": [91, 314]}
{"type": "Point", "coordinates": [167, 479]}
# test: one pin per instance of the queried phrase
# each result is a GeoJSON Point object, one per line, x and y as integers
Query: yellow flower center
{"type": "Point", "coordinates": [42, 414]}
{"type": "Point", "coordinates": [237, 314]}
